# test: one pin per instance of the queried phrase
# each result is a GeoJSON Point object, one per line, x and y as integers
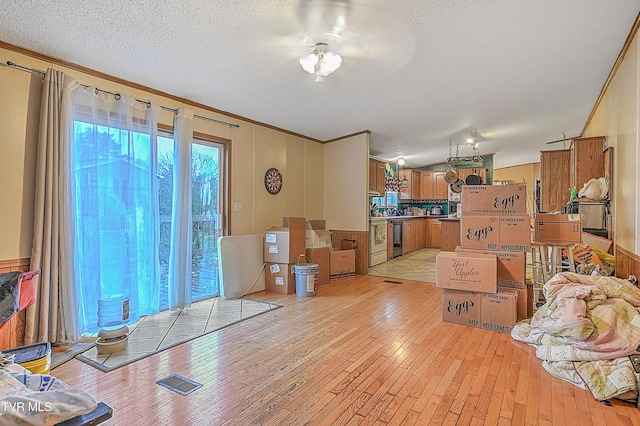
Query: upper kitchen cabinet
{"type": "Point", "coordinates": [377, 170]}
{"type": "Point", "coordinates": [555, 180]}
{"type": "Point", "coordinates": [433, 185]}
{"type": "Point", "coordinates": [586, 160]}
{"type": "Point", "coordinates": [411, 189]}
{"type": "Point", "coordinates": [426, 186]}
{"type": "Point", "coordinates": [406, 181]}
{"type": "Point", "coordinates": [440, 186]}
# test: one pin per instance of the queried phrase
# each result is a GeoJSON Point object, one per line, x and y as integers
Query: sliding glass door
{"type": "Point", "coordinates": [207, 203]}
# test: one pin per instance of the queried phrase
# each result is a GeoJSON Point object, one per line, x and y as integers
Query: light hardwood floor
{"type": "Point", "coordinates": [362, 351]}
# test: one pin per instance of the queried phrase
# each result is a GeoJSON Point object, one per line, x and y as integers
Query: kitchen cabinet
{"type": "Point", "coordinates": [408, 236]}
{"type": "Point", "coordinates": [415, 184]}
{"type": "Point", "coordinates": [421, 241]}
{"type": "Point", "coordinates": [377, 170]}
{"type": "Point", "coordinates": [426, 187]}
{"type": "Point", "coordinates": [406, 193]}
{"type": "Point", "coordinates": [434, 233]}
{"type": "Point", "coordinates": [586, 160]}
{"type": "Point", "coordinates": [433, 185]}
{"type": "Point", "coordinates": [449, 234]}
{"type": "Point", "coordinates": [555, 180]}
{"type": "Point", "coordinates": [440, 186]}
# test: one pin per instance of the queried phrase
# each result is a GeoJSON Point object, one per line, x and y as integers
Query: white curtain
{"type": "Point", "coordinates": [115, 203]}
{"type": "Point", "coordinates": [181, 232]}
{"type": "Point", "coordinates": [54, 316]}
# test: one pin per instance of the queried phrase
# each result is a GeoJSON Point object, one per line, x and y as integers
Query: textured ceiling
{"type": "Point", "coordinates": [417, 74]}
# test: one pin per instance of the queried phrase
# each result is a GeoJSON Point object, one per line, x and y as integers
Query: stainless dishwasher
{"type": "Point", "coordinates": [397, 238]}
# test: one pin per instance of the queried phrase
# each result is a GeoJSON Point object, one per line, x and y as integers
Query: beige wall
{"type": "Point", "coordinates": [525, 173]}
{"type": "Point", "coordinates": [618, 118]}
{"type": "Point", "coordinates": [254, 149]}
{"type": "Point", "coordinates": [346, 183]}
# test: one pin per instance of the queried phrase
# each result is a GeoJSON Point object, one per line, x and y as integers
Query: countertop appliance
{"type": "Point", "coordinates": [377, 241]}
{"type": "Point", "coordinates": [595, 215]}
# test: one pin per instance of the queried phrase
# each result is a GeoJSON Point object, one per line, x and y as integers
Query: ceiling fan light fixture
{"type": "Point", "coordinates": [401, 161]}
{"type": "Point", "coordinates": [321, 63]}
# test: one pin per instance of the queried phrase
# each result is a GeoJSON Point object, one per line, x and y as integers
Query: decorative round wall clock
{"type": "Point", "coordinates": [273, 181]}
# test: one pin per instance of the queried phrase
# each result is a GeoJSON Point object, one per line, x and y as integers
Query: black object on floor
{"type": "Point", "coordinates": [179, 384]}
{"type": "Point", "coordinates": [392, 282]}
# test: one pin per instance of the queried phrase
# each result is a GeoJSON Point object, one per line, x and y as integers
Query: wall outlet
{"type": "Point", "coordinates": [237, 206]}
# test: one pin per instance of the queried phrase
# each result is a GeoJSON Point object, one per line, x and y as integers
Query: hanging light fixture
{"type": "Point", "coordinates": [401, 161]}
{"type": "Point", "coordinates": [321, 62]}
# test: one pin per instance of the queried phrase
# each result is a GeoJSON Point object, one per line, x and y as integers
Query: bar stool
{"type": "Point", "coordinates": [546, 261]}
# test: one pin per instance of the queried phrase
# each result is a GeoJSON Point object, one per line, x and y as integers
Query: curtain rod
{"type": "Point", "coordinates": [175, 111]}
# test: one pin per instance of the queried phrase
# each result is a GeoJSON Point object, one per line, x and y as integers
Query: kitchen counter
{"type": "Point", "coordinates": [426, 216]}
{"type": "Point", "coordinates": [452, 219]}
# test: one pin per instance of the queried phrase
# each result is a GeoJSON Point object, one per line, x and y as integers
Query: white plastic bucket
{"type": "Point", "coordinates": [306, 279]}
{"type": "Point", "coordinates": [113, 311]}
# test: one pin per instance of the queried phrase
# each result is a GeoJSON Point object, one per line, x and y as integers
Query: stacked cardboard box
{"type": "Point", "coordinates": [282, 249]}
{"type": "Point", "coordinates": [301, 241]}
{"type": "Point", "coordinates": [495, 237]}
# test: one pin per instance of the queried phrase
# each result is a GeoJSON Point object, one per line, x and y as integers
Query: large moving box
{"type": "Point", "coordinates": [494, 199]}
{"type": "Point", "coordinates": [466, 272]}
{"type": "Point", "coordinates": [285, 244]}
{"type": "Point", "coordinates": [505, 233]}
{"type": "Point", "coordinates": [342, 263]}
{"type": "Point", "coordinates": [279, 278]}
{"type": "Point", "coordinates": [511, 266]}
{"type": "Point", "coordinates": [461, 307]}
{"type": "Point", "coordinates": [499, 312]}
{"type": "Point", "coordinates": [320, 256]}
{"type": "Point", "coordinates": [317, 234]}
{"type": "Point", "coordinates": [558, 228]}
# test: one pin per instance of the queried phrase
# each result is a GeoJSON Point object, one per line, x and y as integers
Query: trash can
{"type": "Point", "coordinates": [306, 279]}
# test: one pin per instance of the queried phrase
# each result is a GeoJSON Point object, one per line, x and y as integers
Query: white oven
{"type": "Point", "coordinates": [377, 241]}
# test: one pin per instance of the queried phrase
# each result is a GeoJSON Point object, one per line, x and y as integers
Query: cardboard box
{"type": "Point", "coordinates": [505, 233]}
{"type": "Point", "coordinates": [499, 311]}
{"type": "Point", "coordinates": [558, 228]}
{"type": "Point", "coordinates": [317, 234]}
{"type": "Point", "coordinates": [320, 256]}
{"type": "Point", "coordinates": [342, 263]}
{"type": "Point", "coordinates": [512, 266]}
{"type": "Point", "coordinates": [494, 199]}
{"type": "Point", "coordinates": [285, 244]}
{"type": "Point", "coordinates": [280, 278]}
{"type": "Point", "coordinates": [466, 272]}
{"type": "Point", "coordinates": [525, 300]}
{"type": "Point", "coordinates": [461, 307]}
{"type": "Point", "coordinates": [596, 242]}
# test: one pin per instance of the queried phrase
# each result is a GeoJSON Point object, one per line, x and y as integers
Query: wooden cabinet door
{"type": "Point", "coordinates": [380, 176]}
{"type": "Point", "coordinates": [405, 193]}
{"type": "Point", "coordinates": [586, 163]}
{"type": "Point", "coordinates": [555, 181]}
{"type": "Point", "coordinates": [463, 173]}
{"type": "Point", "coordinates": [420, 234]}
{"type": "Point", "coordinates": [434, 233]}
{"type": "Point", "coordinates": [373, 182]}
{"type": "Point", "coordinates": [440, 186]}
{"type": "Point", "coordinates": [426, 187]}
{"type": "Point", "coordinates": [415, 184]}
{"type": "Point", "coordinates": [449, 234]}
{"type": "Point", "coordinates": [406, 237]}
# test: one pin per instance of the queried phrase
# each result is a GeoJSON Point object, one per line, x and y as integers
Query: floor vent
{"type": "Point", "coordinates": [392, 282]}
{"type": "Point", "coordinates": [179, 384]}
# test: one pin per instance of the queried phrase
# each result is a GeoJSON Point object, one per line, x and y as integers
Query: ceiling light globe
{"type": "Point", "coordinates": [309, 62]}
{"type": "Point", "coordinates": [401, 161]}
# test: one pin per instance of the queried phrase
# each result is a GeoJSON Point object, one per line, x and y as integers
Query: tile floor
{"type": "Point", "coordinates": [167, 328]}
{"type": "Point", "coordinates": [419, 265]}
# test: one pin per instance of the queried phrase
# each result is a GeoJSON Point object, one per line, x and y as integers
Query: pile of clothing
{"type": "Point", "coordinates": [585, 332]}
